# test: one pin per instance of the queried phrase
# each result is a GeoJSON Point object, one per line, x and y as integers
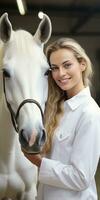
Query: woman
{"type": "Point", "coordinates": [72, 121]}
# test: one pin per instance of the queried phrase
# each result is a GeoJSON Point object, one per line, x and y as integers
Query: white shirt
{"type": "Point", "coordinates": [69, 173]}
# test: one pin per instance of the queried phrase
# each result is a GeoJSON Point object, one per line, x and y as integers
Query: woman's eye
{"type": "Point", "coordinates": [54, 68]}
{"type": "Point", "coordinates": [67, 65]}
{"type": "Point", "coordinates": [6, 73]}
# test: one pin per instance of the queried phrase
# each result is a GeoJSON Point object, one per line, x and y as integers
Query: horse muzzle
{"type": "Point", "coordinates": [34, 143]}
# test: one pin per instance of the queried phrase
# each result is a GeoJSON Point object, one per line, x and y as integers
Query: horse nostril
{"type": "Point", "coordinates": [43, 137]}
{"type": "Point", "coordinates": [22, 138]}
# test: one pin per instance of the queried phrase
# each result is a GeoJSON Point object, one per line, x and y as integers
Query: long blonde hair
{"type": "Point", "coordinates": [54, 106]}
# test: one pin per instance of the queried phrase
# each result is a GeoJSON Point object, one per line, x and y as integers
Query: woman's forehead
{"type": "Point", "coordinates": [61, 56]}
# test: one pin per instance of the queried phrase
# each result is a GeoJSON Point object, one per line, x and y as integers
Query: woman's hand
{"type": "Point", "coordinates": [36, 159]}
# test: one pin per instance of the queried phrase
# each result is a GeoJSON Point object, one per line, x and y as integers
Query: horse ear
{"type": "Point", "coordinates": [44, 29]}
{"type": "Point", "coordinates": [5, 28]}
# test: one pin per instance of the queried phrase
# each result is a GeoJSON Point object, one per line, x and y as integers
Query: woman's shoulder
{"type": "Point", "coordinates": [91, 109]}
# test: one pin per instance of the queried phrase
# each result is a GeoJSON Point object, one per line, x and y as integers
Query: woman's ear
{"type": "Point", "coordinates": [83, 65]}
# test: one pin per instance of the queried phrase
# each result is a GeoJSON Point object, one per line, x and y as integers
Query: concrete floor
{"type": "Point", "coordinates": [98, 182]}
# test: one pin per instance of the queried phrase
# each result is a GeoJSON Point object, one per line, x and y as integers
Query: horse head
{"type": "Point", "coordinates": [25, 84]}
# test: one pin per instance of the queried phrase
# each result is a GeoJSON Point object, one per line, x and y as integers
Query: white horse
{"type": "Point", "coordinates": [23, 93]}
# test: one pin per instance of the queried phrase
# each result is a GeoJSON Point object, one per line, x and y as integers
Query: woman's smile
{"type": "Point", "coordinates": [64, 80]}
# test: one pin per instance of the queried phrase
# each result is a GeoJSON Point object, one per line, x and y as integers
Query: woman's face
{"type": "Point", "coordinates": [67, 71]}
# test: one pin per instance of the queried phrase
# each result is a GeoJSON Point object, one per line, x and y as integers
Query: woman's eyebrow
{"type": "Point", "coordinates": [65, 61]}
{"type": "Point", "coordinates": [54, 65]}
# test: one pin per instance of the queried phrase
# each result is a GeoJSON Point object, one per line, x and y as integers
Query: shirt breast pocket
{"type": "Point", "coordinates": [66, 136]}
{"type": "Point", "coordinates": [63, 136]}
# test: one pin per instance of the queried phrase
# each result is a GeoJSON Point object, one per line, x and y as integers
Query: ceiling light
{"type": "Point", "coordinates": [21, 6]}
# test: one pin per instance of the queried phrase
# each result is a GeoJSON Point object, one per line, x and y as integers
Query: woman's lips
{"type": "Point", "coordinates": [65, 80]}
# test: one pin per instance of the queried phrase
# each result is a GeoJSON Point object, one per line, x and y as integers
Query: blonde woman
{"type": "Point", "coordinates": [72, 120]}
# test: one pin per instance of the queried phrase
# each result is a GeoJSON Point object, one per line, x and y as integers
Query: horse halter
{"type": "Point", "coordinates": [14, 116]}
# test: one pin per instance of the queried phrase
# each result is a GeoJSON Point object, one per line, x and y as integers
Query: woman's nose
{"type": "Point", "coordinates": [62, 71]}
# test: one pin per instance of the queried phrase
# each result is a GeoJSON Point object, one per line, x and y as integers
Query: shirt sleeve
{"type": "Point", "coordinates": [79, 174]}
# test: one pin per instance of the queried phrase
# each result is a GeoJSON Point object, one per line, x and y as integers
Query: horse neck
{"type": "Point", "coordinates": [7, 135]}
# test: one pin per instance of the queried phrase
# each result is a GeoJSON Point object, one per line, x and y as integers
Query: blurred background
{"type": "Point", "coordinates": [79, 19]}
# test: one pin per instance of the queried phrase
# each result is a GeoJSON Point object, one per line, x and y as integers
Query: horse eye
{"type": "Point", "coordinates": [47, 72]}
{"type": "Point", "coordinates": [6, 73]}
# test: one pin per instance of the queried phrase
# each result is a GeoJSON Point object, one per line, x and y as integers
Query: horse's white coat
{"type": "Point", "coordinates": [23, 57]}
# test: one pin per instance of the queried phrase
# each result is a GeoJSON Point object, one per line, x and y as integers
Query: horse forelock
{"type": "Point", "coordinates": [22, 44]}
{"type": "Point", "coordinates": [23, 41]}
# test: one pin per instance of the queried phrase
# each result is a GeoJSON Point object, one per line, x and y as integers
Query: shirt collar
{"type": "Point", "coordinates": [78, 99]}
